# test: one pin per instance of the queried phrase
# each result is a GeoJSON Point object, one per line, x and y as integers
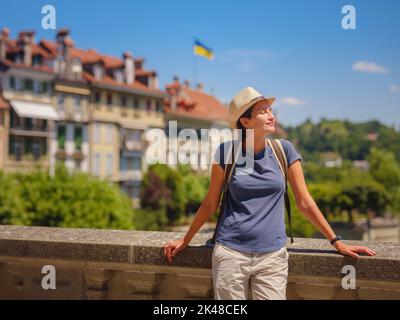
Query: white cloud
{"type": "Point", "coordinates": [394, 88]}
{"type": "Point", "coordinates": [291, 101]}
{"type": "Point", "coordinates": [369, 66]}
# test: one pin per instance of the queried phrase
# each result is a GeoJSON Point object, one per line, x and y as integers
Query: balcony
{"type": "Point", "coordinates": [30, 131]}
{"type": "Point", "coordinates": [130, 175]}
{"type": "Point", "coordinates": [72, 116]}
{"type": "Point", "coordinates": [26, 163]}
{"type": "Point", "coordinates": [61, 154]}
{"type": "Point", "coordinates": [132, 145]}
{"type": "Point", "coordinates": [116, 264]}
{"type": "Point", "coordinates": [77, 155]}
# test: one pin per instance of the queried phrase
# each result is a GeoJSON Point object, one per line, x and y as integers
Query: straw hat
{"type": "Point", "coordinates": [242, 101]}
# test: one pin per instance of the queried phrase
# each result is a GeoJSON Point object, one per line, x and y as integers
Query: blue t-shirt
{"type": "Point", "coordinates": [253, 220]}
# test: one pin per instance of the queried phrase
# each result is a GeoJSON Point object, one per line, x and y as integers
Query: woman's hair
{"type": "Point", "coordinates": [247, 115]}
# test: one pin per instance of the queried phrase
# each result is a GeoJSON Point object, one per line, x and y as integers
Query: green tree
{"type": "Point", "coordinates": [364, 196]}
{"type": "Point", "coordinates": [163, 189]}
{"type": "Point", "coordinates": [300, 225]}
{"type": "Point", "coordinates": [385, 170]}
{"type": "Point", "coordinates": [65, 200]}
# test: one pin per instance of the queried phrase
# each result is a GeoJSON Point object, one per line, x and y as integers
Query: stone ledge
{"type": "Point", "coordinates": [312, 257]}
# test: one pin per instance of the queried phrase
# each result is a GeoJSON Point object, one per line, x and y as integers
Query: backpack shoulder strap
{"type": "Point", "coordinates": [229, 168]}
{"type": "Point", "coordinates": [280, 155]}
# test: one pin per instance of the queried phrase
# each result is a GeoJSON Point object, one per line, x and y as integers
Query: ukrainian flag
{"type": "Point", "coordinates": [202, 50]}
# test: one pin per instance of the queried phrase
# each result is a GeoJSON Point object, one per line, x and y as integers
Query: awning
{"type": "Point", "coordinates": [35, 110]}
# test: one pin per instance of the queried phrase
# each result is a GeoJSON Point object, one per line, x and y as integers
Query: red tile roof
{"type": "Point", "coordinates": [49, 45]}
{"type": "Point", "coordinates": [12, 46]}
{"type": "Point", "coordinates": [38, 50]}
{"type": "Point", "coordinates": [3, 103]}
{"type": "Point", "coordinates": [91, 56]}
{"type": "Point", "coordinates": [48, 49]}
{"type": "Point", "coordinates": [195, 103]}
{"type": "Point", "coordinates": [43, 68]}
{"type": "Point", "coordinates": [110, 81]}
{"type": "Point", "coordinates": [112, 62]}
{"type": "Point", "coordinates": [147, 73]}
{"type": "Point", "coordinates": [109, 62]}
{"type": "Point", "coordinates": [86, 56]}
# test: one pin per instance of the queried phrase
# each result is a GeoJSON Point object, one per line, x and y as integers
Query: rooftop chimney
{"type": "Point", "coordinates": [154, 82]}
{"type": "Point", "coordinates": [64, 43]}
{"type": "Point", "coordinates": [25, 40]}
{"type": "Point", "coordinates": [3, 43]}
{"type": "Point", "coordinates": [200, 87]}
{"type": "Point", "coordinates": [64, 39]}
{"type": "Point", "coordinates": [187, 83]}
{"type": "Point", "coordinates": [129, 67]}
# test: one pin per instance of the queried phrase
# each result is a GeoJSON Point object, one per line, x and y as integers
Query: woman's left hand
{"type": "Point", "coordinates": [353, 251]}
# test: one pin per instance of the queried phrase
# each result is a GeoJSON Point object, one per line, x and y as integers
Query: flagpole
{"type": "Point", "coordinates": [194, 69]}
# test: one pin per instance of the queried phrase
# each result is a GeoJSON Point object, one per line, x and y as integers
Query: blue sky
{"type": "Point", "coordinates": [294, 50]}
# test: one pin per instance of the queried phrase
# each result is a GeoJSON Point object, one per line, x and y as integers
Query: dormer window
{"type": "Point", "coordinates": [59, 65]}
{"type": "Point", "coordinates": [118, 76]}
{"type": "Point", "coordinates": [98, 71]}
{"type": "Point", "coordinates": [76, 66]}
{"type": "Point", "coordinates": [37, 60]}
{"type": "Point", "coordinates": [19, 58]}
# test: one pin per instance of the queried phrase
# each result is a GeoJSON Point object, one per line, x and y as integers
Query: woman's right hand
{"type": "Point", "coordinates": [173, 247]}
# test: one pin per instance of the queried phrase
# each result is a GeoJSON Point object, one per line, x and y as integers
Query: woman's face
{"type": "Point", "coordinates": [262, 119]}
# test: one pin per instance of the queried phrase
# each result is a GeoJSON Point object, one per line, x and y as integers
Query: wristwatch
{"type": "Point", "coordinates": [336, 239]}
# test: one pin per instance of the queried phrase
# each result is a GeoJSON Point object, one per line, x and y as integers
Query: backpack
{"type": "Point", "coordinates": [280, 155]}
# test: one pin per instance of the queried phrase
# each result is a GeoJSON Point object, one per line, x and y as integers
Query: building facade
{"type": "Point", "coordinates": [192, 108]}
{"type": "Point", "coordinates": [63, 104]}
{"type": "Point", "coordinates": [28, 116]}
{"type": "Point", "coordinates": [90, 111]}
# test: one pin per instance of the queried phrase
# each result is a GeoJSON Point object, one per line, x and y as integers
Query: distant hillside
{"type": "Point", "coordinates": [352, 141]}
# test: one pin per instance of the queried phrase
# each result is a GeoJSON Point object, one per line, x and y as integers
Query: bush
{"type": "Point", "coordinates": [65, 200]}
{"type": "Point", "coordinates": [175, 191]}
{"type": "Point", "coordinates": [301, 227]}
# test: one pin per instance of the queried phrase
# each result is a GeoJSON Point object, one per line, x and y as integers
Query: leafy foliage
{"type": "Point", "coordinates": [65, 200]}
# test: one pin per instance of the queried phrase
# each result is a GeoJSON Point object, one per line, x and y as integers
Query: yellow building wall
{"type": "Point", "coordinates": [104, 147]}
{"type": "Point", "coordinates": [119, 114]}
{"type": "Point", "coordinates": [2, 139]}
{"type": "Point", "coordinates": [69, 107]}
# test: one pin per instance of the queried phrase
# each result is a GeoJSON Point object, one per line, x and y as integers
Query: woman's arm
{"type": "Point", "coordinates": [306, 204]}
{"type": "Point", "coordinates": [208, 206]}
{"type": "Point", "coordinates": [210, 203]}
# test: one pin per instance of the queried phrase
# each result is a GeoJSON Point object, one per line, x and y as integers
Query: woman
{"type": "Point", "coordinates": [250, 253]}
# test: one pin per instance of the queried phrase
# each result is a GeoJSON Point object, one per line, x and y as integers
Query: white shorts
{"type": "Point", "coordinates": [242, 276]}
